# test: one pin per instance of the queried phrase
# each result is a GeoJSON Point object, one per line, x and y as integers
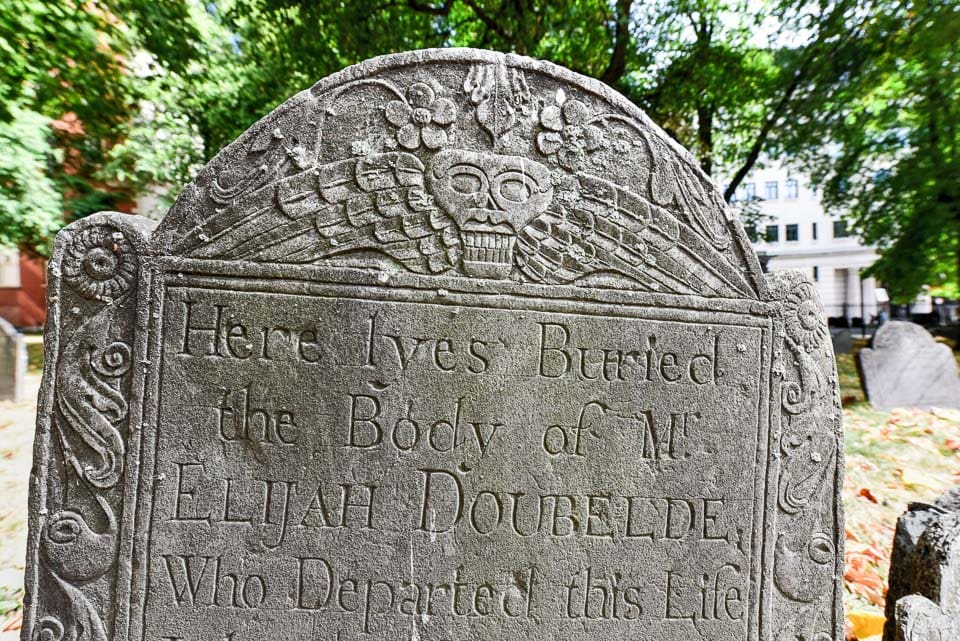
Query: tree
{"type": "Point", "coordinates": [72, 65]}
{"type": "Point", "coordinates": [696, 66]}
{"type": "Point", "coordinates": [893, 165]}
{"type": "Point", "coordinates": [30, 203]}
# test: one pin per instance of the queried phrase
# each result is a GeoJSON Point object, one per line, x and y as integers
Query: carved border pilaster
{"type": "Point", "coordinates": [807, 443]}
{"type": "Point", "coordinates": [83, 427]}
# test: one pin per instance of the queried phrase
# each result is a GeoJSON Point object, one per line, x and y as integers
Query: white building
{"type": "Point", "coordinates": [796, 233]}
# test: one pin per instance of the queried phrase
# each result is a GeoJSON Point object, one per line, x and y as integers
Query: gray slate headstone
{"type": "Point", "coordinates": [920, 619]}
{"type": "Point", "coordinates": [452, 345]}
{"type": "Point", "coordinates": [923, 600]}
{"type": "Point", "coordinates": [905, 367]}
{"type": "Point", "coordinates": [13, 362]}
{"type": "Point", "coordinates": [842, 341]}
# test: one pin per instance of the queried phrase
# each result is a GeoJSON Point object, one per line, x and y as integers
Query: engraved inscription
{"type": "Point", "coordinates": [410, 433]}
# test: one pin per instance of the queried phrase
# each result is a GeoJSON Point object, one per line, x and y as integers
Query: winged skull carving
{"type": "Point", "coordinates": [491, 215]}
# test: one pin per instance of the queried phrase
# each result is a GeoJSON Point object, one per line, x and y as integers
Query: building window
{"type": "Point", "coordinates": [773, 234]}
{"type": "Point", "coordinates": [814, 229]}
{"type": "Point", "coordinates": [752, 233]}
{"type": "Point", "coordinates": [793, 232]}
{"type": "Point", "coordinates": [793, 188]}
{"type": "Point", "coordinates": [840, 229]}
{"type": "Point", "coordinates": [750, 191]}
{"type": "Point", "coordinates": [816, 273]}
{"type": "Point", "coordinates": [770, 188]}
{"type": "Point", "coordinates": [9, 268]}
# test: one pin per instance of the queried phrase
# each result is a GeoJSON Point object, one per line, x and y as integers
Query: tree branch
{"type": "Point", "coordinates": [432, 9]}
{"type": "Point", "coordinates": [489, 21]}
{"type": "Point", "coordinates": [799, 76]}
{"type": "Point", "coordinates": [621, 40]}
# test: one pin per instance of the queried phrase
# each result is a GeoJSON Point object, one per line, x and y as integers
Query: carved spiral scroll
{"type": "Point", "coordinates": [806, 566]}
{"type": "Point", "coordinates": [75, 552]}
{"type": "Point", "coordinates": [90, 399]}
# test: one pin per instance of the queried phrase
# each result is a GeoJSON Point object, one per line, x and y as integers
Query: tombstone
{"type": "Point", "coordinates": [842, 341]}
{"type": "Point", "coordinates": [451, 345]}
{"type": "Point", "coordinates": [905, 367]}
{"type": "Point", "coordinates": [13, 362]}
{"type": "Point", "coordinates": [923, 601]}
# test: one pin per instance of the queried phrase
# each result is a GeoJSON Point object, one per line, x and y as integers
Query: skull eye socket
{"type": "Point", "coordinates": [466, 182]}
{"type": "Point", "coordinates": [515, 187]}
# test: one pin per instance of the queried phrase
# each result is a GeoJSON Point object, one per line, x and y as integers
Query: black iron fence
{"type": "Point", "coordinates": [864, 320]}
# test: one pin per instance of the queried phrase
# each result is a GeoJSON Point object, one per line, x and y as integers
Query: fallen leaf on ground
{"type": "Point", "coordinates": [866, 624]}
{"type": "Point", "coordinates": [13, 623]}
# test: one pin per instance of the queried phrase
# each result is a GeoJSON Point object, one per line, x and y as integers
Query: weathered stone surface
{"type": "Point", "coordinates": [919, 619]}
{"type": "Point", "coordinates": [923, 601]}
{"type": "Point", "coordinates": [452, 345]}
{"type": "Point", "coordinates": [13, 362]}
{"type": "Point", "coordinates": [905, 367]}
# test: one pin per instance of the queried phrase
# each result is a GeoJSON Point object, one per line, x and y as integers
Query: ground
{"type": "Point", "coordinates": [892, 459]}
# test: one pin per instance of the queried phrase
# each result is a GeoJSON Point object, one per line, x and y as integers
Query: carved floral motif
{"type": "Point", "coordinates": [498, 92]}
{"type": "Point", "coordinates": [803, 319]}
{"type": "Point", "coordinates": [421, 118]}
{"type": "Point", "coordinates": [568, 134]}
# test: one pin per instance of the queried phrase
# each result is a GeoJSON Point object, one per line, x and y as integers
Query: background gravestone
{"type": "Point", "coordinates": [905, 367]}
{"type": "Point", "coordinates": [13, 362]}
{"type": "Point", "coordinates": [451, 345]}
{"type": "Point", "coordinates": [923, 601]}
{"type": "Point", "coordinates": [842, 341]}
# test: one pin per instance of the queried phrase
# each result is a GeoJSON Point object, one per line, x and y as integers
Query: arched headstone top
{"type": "Point", "coordinates": [472, 163]}
{"type": "Point", "coordinates": [901, 335]}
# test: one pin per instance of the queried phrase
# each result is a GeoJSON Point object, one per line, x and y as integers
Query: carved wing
{"type": "Point", "coordinates": [596, 227]}
{"type": "Point", "coordinates": [375, 203]}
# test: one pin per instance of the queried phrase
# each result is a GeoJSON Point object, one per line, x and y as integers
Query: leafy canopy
{"type": "Point", "coordinates": [131, 96]}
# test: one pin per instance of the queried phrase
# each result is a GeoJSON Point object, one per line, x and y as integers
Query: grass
{"type": "Point", "coordinates": [892, 459]}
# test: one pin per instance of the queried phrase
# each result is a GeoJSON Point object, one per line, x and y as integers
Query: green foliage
{"type": "Point", "coordinates": [894, 163]}
{"type": "Point", "coordinates": [76, 63]}
{"type": "Point", "coordinates": [161, 145]}
{"type": "Point", "coordinates": [30, 203]}
{"type": "Point", "coordinates": [158, 87]}
{"type": "Point", "coordinates": [61, 57]}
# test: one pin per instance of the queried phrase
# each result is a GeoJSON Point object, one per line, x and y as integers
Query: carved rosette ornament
{"type": "Point", "coordinates": [803, 318]}
{"type": "Point", "coordinates": [421, 117]}
{"type": "Point", "coordinates": [569, 134]}
{"type": "Point", "coordinates": [99, 264]}
{"type": "Point", "coordinates": [807, 559]}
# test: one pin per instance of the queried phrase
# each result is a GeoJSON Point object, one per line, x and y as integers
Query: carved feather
{"type": "Point", "coordinates": [374, 203]}
{"type": "Point", "coordinates": [601, 228]}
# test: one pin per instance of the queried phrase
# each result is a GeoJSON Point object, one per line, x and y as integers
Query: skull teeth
{"type": "Point", "coordinates": [487, 247]}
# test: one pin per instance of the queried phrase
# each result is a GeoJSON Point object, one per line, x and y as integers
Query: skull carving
{"type": "Point", "coordinates": [491, 198]}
